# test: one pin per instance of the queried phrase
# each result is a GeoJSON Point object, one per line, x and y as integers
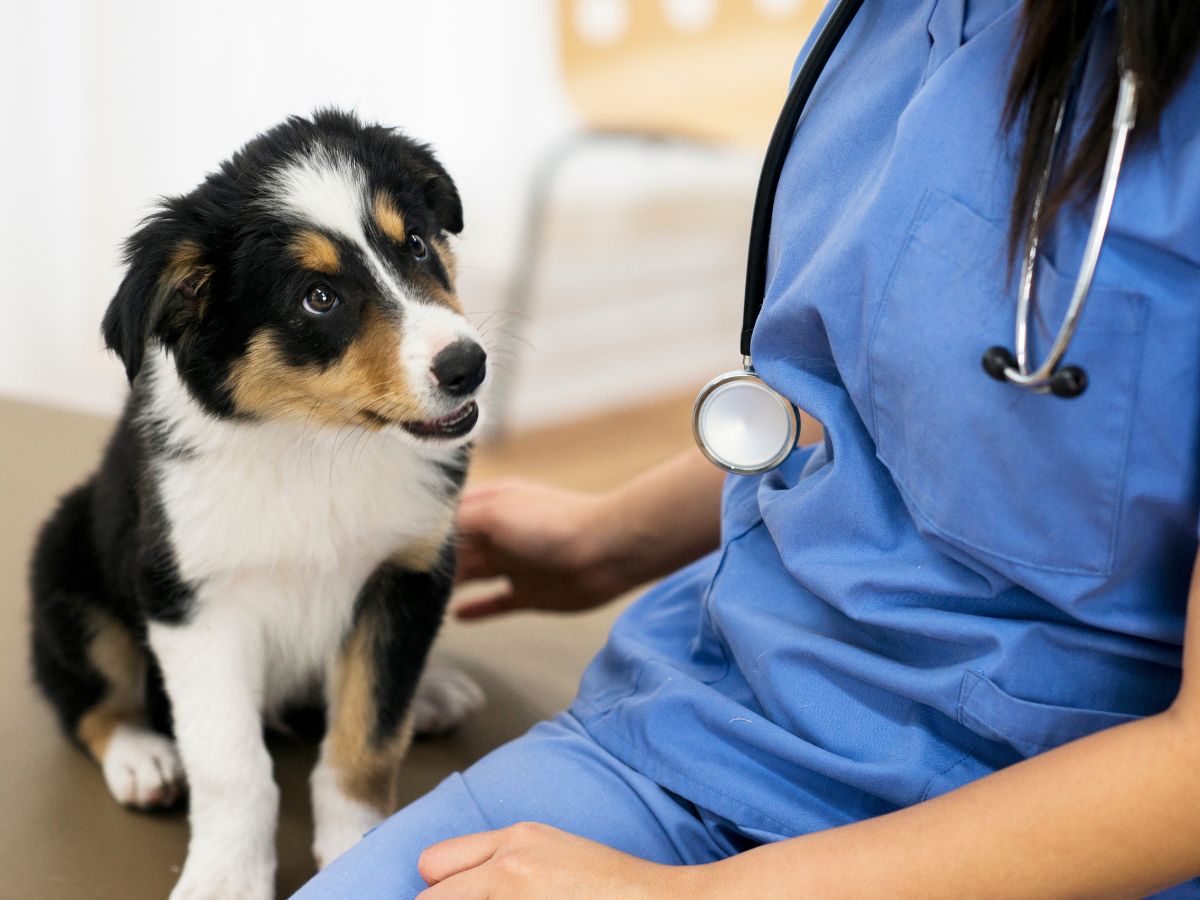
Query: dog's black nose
{"type": "Point", "coordinates": [460, 368]}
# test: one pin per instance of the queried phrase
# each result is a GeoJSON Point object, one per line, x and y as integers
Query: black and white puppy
{"type": "Point", "coordinates": [272, 521]}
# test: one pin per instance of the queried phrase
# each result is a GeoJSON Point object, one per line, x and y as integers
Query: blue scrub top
{"type": "Point", "coordinates": [964, 573]}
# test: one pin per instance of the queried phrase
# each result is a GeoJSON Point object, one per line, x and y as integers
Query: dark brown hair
{"type": "Point", "coordinates": [1160, 39]}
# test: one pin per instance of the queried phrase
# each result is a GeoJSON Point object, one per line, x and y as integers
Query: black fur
{"type": "Point", "coordinates": [88, 558]}
{"type": "Point", "coordinates": [406, 609]}
{"type": "Point", "coordinates": [66, 575]}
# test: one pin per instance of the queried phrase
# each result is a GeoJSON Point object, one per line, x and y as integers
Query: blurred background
{"type": "Point", "coordinates": [629, 290]}
{"type": "Point", "coordinates": [607, 152]}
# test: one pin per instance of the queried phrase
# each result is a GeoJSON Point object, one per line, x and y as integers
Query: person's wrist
{"type": "Point", "coordinates": [732, 878]}
{"type": "Point", "coordinates": [608, 550]}
{"type": "Point", "coordinates": [709, 881]}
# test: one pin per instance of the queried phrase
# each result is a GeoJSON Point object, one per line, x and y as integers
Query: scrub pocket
{"type": "Point", "coordinates": [1027, 727]}
{"type": "Point", "coordinates": [991, 468]}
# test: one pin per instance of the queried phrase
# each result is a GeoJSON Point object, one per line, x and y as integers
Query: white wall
{"type": "Point", "coordinates": [106, 104]}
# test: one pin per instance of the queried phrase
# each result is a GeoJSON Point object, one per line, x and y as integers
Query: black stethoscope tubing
{"type": "Point", "coordinates": [777, 151]}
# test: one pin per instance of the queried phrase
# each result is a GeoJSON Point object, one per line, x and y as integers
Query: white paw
{"type": "Point", "coordinates": [445, 697]}
{"type": "Point", "coordinates": [332, 839]}
{"type": "Point", "coordinates": [142, 768]}
{"type": "Point", "coordinates": [340, 820]}
{"type": "Point", "coordinates": [203, 883]}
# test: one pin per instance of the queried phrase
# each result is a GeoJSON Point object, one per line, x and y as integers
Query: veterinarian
{"type": "Point", "coordinates": [942, 653]}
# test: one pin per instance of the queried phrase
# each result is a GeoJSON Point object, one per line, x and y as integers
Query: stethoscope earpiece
{"type": "Point", "coordinates": [997, 360]}
{"type": "Point", "coordinates": [1068, 382]}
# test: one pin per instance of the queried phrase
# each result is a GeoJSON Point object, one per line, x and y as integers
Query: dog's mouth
{"type": "Point", "coordinates": [448, 427]}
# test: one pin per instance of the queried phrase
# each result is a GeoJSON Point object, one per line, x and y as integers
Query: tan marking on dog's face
{"type": "Point", "coordinates": [446, 255]}
{"type": "Point", "coordinates": [450, 263]}
{"type": "Point", "coordinates": [316, 252]}
{"type": "Point", "coordinates": [116, 656]}
{"type": "Point", "coordinates": [388, 218]}
{"type": "Point", "coordinates": [368, 377]}
{"type": "Point", "coordinates": [365, 769]}
{"type": "Point", "coordinates": [391, 222]}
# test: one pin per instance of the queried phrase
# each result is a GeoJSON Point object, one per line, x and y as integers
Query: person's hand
{"type": "Point", "coordinates": [530, 861]}
{"type": "Point", "coordinates": [557, 549]}
{"type": "Point", "coordinates": [563, 550]}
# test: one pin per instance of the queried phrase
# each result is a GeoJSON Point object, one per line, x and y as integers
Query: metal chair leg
{"type": "Point", "coordinates": [518, 297]}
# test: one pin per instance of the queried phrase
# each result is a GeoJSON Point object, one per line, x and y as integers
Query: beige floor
{"type": "Point", "coordinates": [61, 836]}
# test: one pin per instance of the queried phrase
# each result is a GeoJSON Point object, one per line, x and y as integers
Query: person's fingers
{"type": "Point", "coordinates": [469, 885]}
{"type": "Point", "coordinates": [474, 563]}
{"type": "Point", "coordinates": [476, 497]}
{"type": "Point", "coordinates": [477, 508]}
{"type": "Point", "coordinates": [482, 607]}
{"type": "Point", "coordinates": [475, 518]}
{"type": "Point", "coordinates": [440, 861]}
{"type": "Point", "coordinates": [474, 492]}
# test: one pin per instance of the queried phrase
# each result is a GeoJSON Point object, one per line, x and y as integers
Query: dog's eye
{"type": "Point", "coordinates": [319, 300]}
{"type": "Point", "coordinates": [417, 245]}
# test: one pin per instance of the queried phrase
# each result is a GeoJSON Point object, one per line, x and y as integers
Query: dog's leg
{"type": "Point", "coordinates": [141, 766]}
{"type": "Point", "coordinates": [371, 690]}
{"type": "Point", "coordinates": [91, 667]}
{"type": "Point", "coordinates": [213, 670]}
{"type": "Point", "coordinates": [352, 784]}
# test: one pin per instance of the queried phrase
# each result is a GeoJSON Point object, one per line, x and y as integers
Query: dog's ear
{"type": "Point", "coordinates": [441, 196]}
{"type": "Point", "coordinates": [164, 293]}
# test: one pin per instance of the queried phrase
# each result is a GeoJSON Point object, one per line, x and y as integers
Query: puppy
{"type": "Point", "coordinates": [272, 521]}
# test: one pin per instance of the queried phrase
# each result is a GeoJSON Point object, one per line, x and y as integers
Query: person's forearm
{"type": "Point", "coordinates": [1115, 815]}
{"type": "Point", "coordinates": [666, 517]}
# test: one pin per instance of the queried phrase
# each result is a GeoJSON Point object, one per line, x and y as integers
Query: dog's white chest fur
{"type": "Point", "coordinates": [279, 525]}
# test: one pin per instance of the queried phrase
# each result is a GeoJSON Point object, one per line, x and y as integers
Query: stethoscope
{"type": "Point", "coordinates": [745, 427]}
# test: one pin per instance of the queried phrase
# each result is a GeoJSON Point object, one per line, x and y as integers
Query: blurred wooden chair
{"type": "Point", "coordinates": [709, 70]}
{"type": "Point", "coordinates": [704, 73]}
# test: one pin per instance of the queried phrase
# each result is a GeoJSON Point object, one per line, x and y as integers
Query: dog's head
{"type": "Point", "coordinates": [310, 278]}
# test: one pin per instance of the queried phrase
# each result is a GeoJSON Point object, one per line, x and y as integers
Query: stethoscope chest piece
{"type": "Point", "coordinates": [743, 426]}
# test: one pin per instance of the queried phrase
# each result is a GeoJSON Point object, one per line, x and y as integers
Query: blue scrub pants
{"type": "Point", "coordinates": [555, 774]}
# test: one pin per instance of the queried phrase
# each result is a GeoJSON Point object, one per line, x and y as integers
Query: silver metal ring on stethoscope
{"type": "Point", "coordinates": [743, 426]}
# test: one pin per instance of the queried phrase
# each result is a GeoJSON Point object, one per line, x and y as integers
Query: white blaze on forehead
{"type": "Point", "coordinates": [325, 188]}
{"type": "Point", "coordinates": [329, 190]}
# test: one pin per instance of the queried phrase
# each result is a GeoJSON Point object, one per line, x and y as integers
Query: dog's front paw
{"type": "Point", "coordinates": [224, 882]}
{"type": "Point", "coordinates": [445, 696]}
{"type": "Point", "coordinates": [141, 768]}
{"type": "Point", "coordinates": [333, 838]}
{"type": "Point", "coordinates": [340, 820]}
